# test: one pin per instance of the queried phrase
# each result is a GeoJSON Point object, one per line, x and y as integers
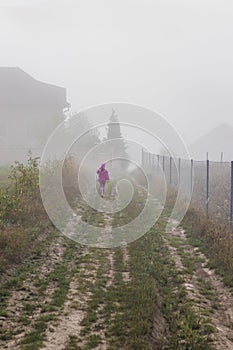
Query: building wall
{"type": "Point", "coordinates": [29, 111]}
{"type": "Point", "coordinates": [24, 130]}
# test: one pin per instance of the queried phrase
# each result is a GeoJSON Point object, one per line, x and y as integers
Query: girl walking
{"type": "Point", "coordinates": [103, 178]}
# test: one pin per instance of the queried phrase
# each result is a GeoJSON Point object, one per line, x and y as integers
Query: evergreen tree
{"type": "Point", "coordinates": [117, 148]}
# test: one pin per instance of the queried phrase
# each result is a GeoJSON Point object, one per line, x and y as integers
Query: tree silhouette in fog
{"type": "Point", "coordinates": [118, 148]}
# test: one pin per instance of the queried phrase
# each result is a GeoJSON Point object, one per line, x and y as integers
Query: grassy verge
{"type": "Point", "coordinates": [23, 219]}
{"type": "Point", "coordinates": [22, 216]}
{"type": "Point", "coordinates": [214, 240]}
{"type": "Point", "coordinates": [15, 281]}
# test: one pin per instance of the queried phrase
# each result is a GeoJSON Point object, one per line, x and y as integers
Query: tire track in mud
{"type": "Point", "coordinates": [91, 271]}
{"type": "Point", "coordinates": [27, 298]}
{"type": "Point", "coordinates": [125, 259]}
{"type": "Point", "coordinates": [205, 288]}
{"type": "Point", "coordinates": [68, 321]}
{"type": "Point", "coordinates": [103, 282]}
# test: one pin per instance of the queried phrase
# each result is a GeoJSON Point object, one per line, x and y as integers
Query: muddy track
{"type": "Point", "coordinates": [65, 297]}
{"type": "Point", "coordinates": [205, 288]}
{"type": "Point", "coordinates": [26, 296]}
{"type": "Point", "coordinates": [68, 321]}
{"type": "Point", "coordinates": [86, 268]}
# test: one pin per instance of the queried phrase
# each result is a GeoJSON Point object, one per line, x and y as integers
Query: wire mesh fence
{"type": "Point", "coordinates": [209, 183]}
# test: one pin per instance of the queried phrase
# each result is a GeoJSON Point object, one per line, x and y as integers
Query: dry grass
{"type": "Point", "coordinates": [23, 218]}
{"type": "Point", "coordinates": [215, 239]}
{"type": "Point", "coordinates": [213, 235]}
{"type": "Point", "coordinates": [70, 180]}
{"type": "Point", "coordinates": [14, 242]}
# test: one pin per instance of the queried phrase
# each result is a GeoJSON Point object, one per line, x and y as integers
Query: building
{"type": "Point", "coordinates": [29, 112]}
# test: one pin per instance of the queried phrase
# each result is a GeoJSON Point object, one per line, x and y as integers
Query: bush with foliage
{"type": "Point", "coordinates": [22, 215]}
{"type": "Point", "coordinates": [20, 202]}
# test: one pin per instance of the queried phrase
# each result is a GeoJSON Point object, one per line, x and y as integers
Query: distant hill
{"type": "Point", "coordinates": [216, 141]}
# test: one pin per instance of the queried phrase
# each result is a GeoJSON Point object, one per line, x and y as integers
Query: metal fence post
{"type": "Point", "coordinates": [231, 205]}
{"type": "Point", "coordinates": [207, 186]}
{"type": "Point", "coordinates": [164, 164]}
{"type": "Point", "coordinates": [191, 180]}
{"type": "Point", "coordinates": [170, 170]}
{"type": "Point", "coordinates": [179, 170]}
{"type": "Point", "coordinates": [142, 157]}
{"type": "Point", "coordinates": [158, 163]}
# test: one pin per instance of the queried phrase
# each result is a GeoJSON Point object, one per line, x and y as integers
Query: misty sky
{"type": "Point", "coordinates": [169, 55]}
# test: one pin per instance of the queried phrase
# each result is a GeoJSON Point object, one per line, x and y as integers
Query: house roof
{"type": "Point", "coordinates": [18, 88]}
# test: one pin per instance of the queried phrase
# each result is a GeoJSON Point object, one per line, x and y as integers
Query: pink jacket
{"type": "Point", "coordinates": [103, 175]}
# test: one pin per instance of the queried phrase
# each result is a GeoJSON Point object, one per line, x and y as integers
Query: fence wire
{"type": "Point", "coordinates": [211, 183]}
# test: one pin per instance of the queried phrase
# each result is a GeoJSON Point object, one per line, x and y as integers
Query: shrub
{"type": "Point", "coordinates": [22, 215]}
{"type": "Point", "coordinates": [21, 203]}
{"type": "Point", "coordinates": [14, 241]}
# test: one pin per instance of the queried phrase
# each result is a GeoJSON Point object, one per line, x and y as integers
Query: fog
{"type": "Point", "coordinates": [174, 57]}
